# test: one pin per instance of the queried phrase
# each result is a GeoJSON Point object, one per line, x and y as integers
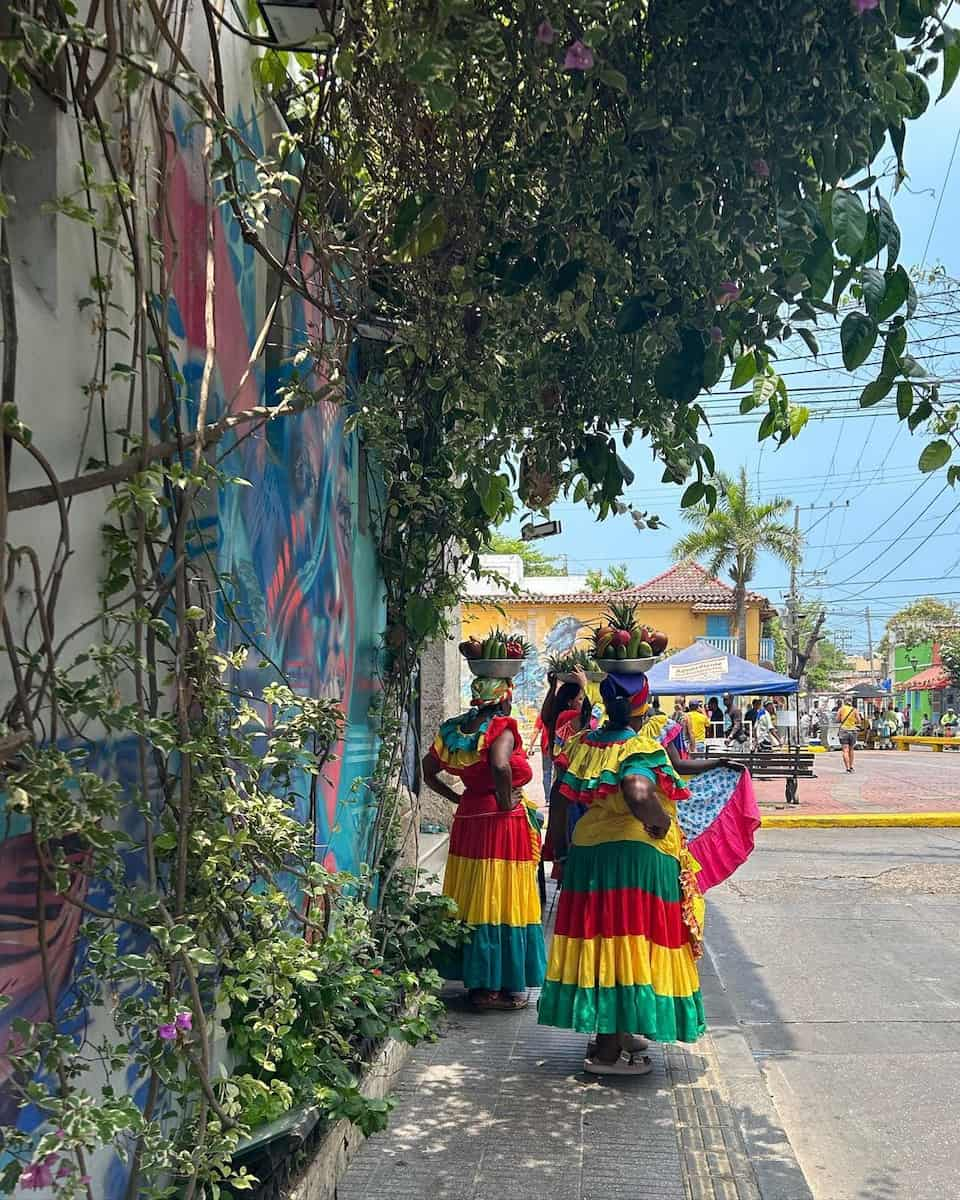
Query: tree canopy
{"type": "Point", "coordinates": [919, 621]}
{"type": "Point", "coordinates": [614, 578]}
{"type": "Point", "coordinates": [535, 561]}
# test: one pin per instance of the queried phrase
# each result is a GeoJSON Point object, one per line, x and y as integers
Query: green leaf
{"type": "Point", "coordinates": [920, 100]}
{"type": "Point", "coordinates": [935, 455]}
{"type": "Point", "coordinates": [202, 957]}
{"type": "Point", "coordinates": [904, 399]}
{"type": "Point", "coordinates": [613, 79]}
{"type": "Point", "coordinates": [888, 230]}
{"type": "Point", "coordinates": [818, 268]}
{"type": "Point", "coordinates": [951, 60]}
{"type": "Point", "coordinates": [693, 495]}
{"type": "Point", "coordinates": [812, 344]}
{"type": "Point", "coordinates": [896, 292]}
{"type": "Point", "coordinates": [421, 615]}
{"type": "Point", "coordinates": [679, 374]}
{"type": "Point", "coordinates": [874, 392]}
{"type": "Point", "coordinates": [137, 962]}
{"type": "Point", "coordinates": [849, 221]}
{"type": "Point", "coordinates": [440, 96]}
{"type": "Point", "coordinates": [874, 284]}
{"type": "Point", "coordinates": [799, 415]}
{"type": "Point", "coordinates": [858, 335]}
{"type": "Point", "coordinates": [633, 315]}
{"type": "Point", "coordinates": [745, 369]}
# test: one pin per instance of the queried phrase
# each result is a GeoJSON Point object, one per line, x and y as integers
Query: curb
{"type": "Point", "coordinates": [918, 820]}
{"type": "Point", "coordinates": [778, 1174]}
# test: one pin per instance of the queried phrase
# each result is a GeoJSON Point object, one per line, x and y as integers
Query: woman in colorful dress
{"type": "Point", "coordinates": [494, 850]}
{"type": "Point", "coordinates": [629, 922]}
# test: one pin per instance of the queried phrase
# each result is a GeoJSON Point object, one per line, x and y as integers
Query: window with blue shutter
{"type": "Point", "coordinates": [718, 625]}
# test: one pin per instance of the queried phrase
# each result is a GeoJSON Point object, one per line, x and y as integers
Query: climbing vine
{"type": "Point", "coordinates": [526, 235]}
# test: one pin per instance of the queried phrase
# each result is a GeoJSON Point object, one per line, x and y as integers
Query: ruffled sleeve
{"type": "Point", "coordinates": [596, 766]}
{"type": "Point", "coordinates": [497, 726]}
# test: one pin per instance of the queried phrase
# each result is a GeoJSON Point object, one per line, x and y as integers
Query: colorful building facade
{"type": "Point", "coordinates": [685, 602]}
{"type": "Point", "coordinates": [921, 682]}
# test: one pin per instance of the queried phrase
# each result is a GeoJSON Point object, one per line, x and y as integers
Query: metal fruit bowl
{"type": "Point", "coordinates": [592, 677]}
{"type": "Point", "coordinates": [628, 666]}
{"type": "Point", "coordinates": [495, 668]}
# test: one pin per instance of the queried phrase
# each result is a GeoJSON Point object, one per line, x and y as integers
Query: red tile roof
{"type": "Point", "coordinates": [689, 583]}
{"type": "Point", "coordinates": [686, 583]}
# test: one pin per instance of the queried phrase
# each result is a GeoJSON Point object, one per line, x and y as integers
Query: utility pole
{"type": "Point", "coordinates": [869, 639]}
{"type": "Point", "coordinates": [793, 623]}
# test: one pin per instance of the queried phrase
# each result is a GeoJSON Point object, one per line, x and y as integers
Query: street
{"type": "Point", "coordinates": [838, 951]}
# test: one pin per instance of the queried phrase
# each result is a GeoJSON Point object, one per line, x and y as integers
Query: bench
{"type": "Point", "coordinates": [903, 741]}
{"type": "Point", "coordinates": [787, 764]}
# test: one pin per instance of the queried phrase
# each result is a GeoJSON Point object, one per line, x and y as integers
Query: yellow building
{"type": "Point", "coordinates": [685, 602]}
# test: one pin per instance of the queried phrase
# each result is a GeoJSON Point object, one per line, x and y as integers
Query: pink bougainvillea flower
{"type": "Point", "coordinates": [862, 6]}
{"type": "Point", "coordinates": [184, 1021]}
{"type": "Point", "coordinates": [376, 971]}
{"type": "Point", "coordinates": [727, 292]}
{"type": "Point", "coordinates": [167, 1032]}
{"type": "Point", "coordinates": [65, 1170]}
{"type": "Point", "coordinates": [546, 34]}
{"type": "Point", "coordinates": [579, 57]}
{"type": "Point", "coordinates": [40, 1174]}
{"type": "Point", "coordinates": [716, 334]}
{"type": "Point", "coordinates": [760, 167]}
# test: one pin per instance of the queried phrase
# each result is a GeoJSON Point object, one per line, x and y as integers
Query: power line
{"type": "Point", "coordinates": [943, 190]}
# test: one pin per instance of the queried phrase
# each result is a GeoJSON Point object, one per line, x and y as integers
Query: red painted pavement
{"type": "Point", "coordinates": [884, 781]}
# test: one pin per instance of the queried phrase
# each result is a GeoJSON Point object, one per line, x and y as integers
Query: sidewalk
{"type": "Point", "coordinates": [885, 781]}
{"type": "Point", "coordinates": [500, 1107]}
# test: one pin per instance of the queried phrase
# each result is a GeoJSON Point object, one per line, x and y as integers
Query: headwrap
{"type": "Point", "coordinates": [634, 686]}
{"type": "Point", "coordinates": [486, 692]}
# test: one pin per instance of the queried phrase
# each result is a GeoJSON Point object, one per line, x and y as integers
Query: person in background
{"type": "Point", "coordinates": [907, 720]}
{"type": "Point", "coordinates": [804, 728]}
{"type": "Point", "coordinates": [849, 721]}
{"type": "Point", "coordinates": [765, 727]}
{"type": "Point", "coordinates": [750, 718]}
{"type": "Point", "coordinates": [715, 717]}
{"type": "Point", "coordinates": [695, 727]}
{"type": "Point", "coordinates": [736, 733]}
{"type": "Point", "coordinates": [948, 723]}
{"type": "Point", "coordinates": [926, 726]}
{"type": "Point", "coordinates": [559, 697]}
{"type": "Point", "coordinates": [680, 709]}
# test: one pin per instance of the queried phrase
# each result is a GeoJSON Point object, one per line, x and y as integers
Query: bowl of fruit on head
{"type": "Point", "coordinates": [622, 644]}
{"type": "Point", "coordinates": [564, 666]}
{"type": "Point", "coordinates": [498, 656]}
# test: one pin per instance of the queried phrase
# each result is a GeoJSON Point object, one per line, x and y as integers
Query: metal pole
{"type": "Point", "coordinates": [792, 622]}
{"type": "Point", "coordinates": [869, 640]}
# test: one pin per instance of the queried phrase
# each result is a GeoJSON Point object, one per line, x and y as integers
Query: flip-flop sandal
{"type": "Point", "coordinates": [638, 1045]}
{"type": "Point", "coordinates": [627, 1066]}
{"type": "Point", "coordinates": [496, 1003]}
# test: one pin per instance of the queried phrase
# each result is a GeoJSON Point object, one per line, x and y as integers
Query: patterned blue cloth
{"type": "Point", "coordinates": [708, 794]}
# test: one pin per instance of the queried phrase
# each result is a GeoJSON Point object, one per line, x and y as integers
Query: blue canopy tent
{"type": "Point", "coordinates": [703, 670]}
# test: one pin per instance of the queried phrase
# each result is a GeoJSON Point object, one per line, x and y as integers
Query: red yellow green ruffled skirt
{"type": "Point", "coordinates": [492, 875]}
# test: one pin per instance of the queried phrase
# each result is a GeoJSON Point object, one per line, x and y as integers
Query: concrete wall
{"type": "Point", "coordinates": [439, 699]}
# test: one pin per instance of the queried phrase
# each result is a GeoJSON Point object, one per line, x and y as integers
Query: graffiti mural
{"type": "Point", "coordinates": [290, 549]}
{"type": "Point", "coordinates": [299, 585]}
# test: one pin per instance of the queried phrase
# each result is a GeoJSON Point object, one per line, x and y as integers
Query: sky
{"type": "Point", "coordinates": [878, 532]}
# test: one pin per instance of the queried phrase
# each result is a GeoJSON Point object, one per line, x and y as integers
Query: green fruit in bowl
{"type": "Point", "coordinates": [645, 650]}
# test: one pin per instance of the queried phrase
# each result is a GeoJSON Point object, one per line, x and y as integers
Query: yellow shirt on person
{"type": "Point", "coordinates": [697, 724]}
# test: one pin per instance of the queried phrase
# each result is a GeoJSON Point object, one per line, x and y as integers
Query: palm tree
{"type": "Point", "coordinates": [733, 536]}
